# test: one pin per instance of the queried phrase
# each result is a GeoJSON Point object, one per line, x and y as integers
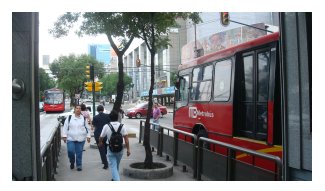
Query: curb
{"type": "Point", "coordinates": [159, 173]}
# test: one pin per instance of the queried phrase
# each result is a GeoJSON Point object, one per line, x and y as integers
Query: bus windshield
{"type": "Point", "coordinates": [53, 97]}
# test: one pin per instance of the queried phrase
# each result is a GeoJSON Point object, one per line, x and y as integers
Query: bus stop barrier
{"type": "Point", "coordinates": [163, 140]}
{"type": "Point", "coordinates": [235, 169]}
{"type": "Point", "coordinates": [214, 165]}
{"type": "Point", "coordinates": [50, 154]}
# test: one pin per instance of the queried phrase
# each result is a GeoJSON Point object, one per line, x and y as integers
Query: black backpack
{"type": "Point", "coordinates": [116, 141]}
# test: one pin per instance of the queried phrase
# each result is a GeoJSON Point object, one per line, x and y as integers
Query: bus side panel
{"type": "Point", "coordinates": [216, 118]}
{"type": "Point", "coordinates": [56, 107]}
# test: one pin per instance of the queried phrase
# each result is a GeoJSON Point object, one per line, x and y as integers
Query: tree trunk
{"type": "Point", "coordinates": [146, 142]}
{"type": "Point", "coordinates": [120, 84]}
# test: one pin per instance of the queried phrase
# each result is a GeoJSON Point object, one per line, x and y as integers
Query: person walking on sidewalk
{"type": "Point", "coordinates": [156, 116]}
{"type": "Point", "coordinates": [115, 151]}
{"type": "Point", "coordinates": [99, 121]}
{"type": "Point", "coordinates": [75, 132]}
{"type": "Point", "coordinates": [85, 113]}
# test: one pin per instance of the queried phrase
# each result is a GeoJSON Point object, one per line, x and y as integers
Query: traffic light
{"type": "Point", "coordinates": [98, 86]}
{"type": "Point", "coordinates": [89, 86]}
{"type": "Point", "coordinates": [90, 72]}
{"type": "Point", "coordinates": [224, 18]}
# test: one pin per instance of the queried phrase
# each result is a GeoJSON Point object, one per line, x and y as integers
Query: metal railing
{"type": "Point", "coordinates": [232, 156]}
{"type": "Point", "coordinates": [197, 151]}
{"type": "Point", "coordinates": [176, 133]}
{"type": "Point", "coordinates": [50, 153]}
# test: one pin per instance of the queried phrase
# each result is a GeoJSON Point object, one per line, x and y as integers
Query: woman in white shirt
{"type": "Point", "coordinates": [74, 133]}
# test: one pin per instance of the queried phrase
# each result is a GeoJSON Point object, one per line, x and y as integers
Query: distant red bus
{"type": "Point", "coordinates": [233, 96]}
{"type": "Point", "coordinates": [54, 100]}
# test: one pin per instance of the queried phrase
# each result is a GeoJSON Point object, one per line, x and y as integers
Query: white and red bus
{"type": "Point", "coordinates": [233, 96]}
{"type": "Point", "coordinates": [54, 100]}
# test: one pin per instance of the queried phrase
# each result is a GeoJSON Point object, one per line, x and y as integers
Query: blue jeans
{"type": "Point", "coordinates": [156, 127]}
{"type": "Point", "coordinates": [114, 162]}
{"type": "Point", "coordinates": [75, 149]}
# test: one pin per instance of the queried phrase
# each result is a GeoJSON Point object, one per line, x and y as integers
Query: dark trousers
{"type": "Point", "coordinates": [102, 150]}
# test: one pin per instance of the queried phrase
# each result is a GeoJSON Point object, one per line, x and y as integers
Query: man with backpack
{"type": "Point", "coordinates": [115, 132]}
{"type": "Point", "coordinates": [74, 133]}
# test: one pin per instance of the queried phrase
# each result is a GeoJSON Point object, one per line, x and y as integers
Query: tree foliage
{"type": "Point", "coordinates": [113, 25]}
{"type": "Point", "coordinates": [110, 81]}
{"type": "Point", "coordinates": [70, 72]}
{"type": "Point", "coordinates": [45, 82]}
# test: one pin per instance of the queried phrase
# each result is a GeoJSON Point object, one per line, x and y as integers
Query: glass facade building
{"type": "Point", "coordinates": [101, 52]}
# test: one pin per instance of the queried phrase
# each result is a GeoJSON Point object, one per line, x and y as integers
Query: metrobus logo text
{"type": "Point", "coordinates": [193, 112]}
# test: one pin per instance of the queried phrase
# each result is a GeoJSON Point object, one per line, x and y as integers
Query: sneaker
{"type": "Point", "coordinates": [105, 167]}
{"type": "Point", "coordinates": [71, 166]}
{"type": "Point", "coordinates": [79, 169]}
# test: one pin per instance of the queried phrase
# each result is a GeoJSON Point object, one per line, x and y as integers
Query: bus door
{"type": "Point", "coordinates": [252, 94]}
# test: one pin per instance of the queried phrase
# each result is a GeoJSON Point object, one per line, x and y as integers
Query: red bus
{"type": "Point", "coordinates": [233, 96]}
{"type": "Point", "coordinates": [54, 100]}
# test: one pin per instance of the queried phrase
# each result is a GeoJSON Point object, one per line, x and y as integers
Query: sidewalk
{"type": "Point", "coordinates": [92, 167]}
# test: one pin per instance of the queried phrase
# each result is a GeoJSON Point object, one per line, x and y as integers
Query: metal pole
{"type": "Point", "coordinates": [200, 160]}
{"type": "Point", "coordinates": [175, 149]}
{"type": "Point", "coordinates": [230, 167]}
{"type": "Point", "coordinates": [195, 46]}
{"type": "Point", "coordinates": [93, 89]}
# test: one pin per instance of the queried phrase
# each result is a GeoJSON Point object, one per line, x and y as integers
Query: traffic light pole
{"type": "Point", "coordinates": [93, 90]}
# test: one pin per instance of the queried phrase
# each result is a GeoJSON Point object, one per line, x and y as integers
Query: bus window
{"type": "Point", "coordinates": [222, 73]}
{"type": "Point", "coordinates": [263, 65]}
{"type": "Point", "coordinates": [201, 83]}
{"type": "Point", "coordinates": [182, 96]}
{"type": "Point", "coordinates": [184, 89]}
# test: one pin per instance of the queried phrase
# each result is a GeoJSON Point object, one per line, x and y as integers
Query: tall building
{"type": "Point", "coordinates": [46, 60]}
{"type": "Point", "coordinates": [101, 52]}
{"type": "Point", "coordinates": [46, 65]}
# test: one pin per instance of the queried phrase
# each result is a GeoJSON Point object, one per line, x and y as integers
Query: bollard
{"type": "Point", "coordinates": [167, 158]}
{"type": "Point", "coordinates": [152, 149]}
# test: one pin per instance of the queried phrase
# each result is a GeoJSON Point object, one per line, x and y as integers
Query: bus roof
{"type": "Point", "coordinates": [230, 51]}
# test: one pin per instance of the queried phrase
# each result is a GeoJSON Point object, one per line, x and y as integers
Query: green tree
{"type": "Point", "coordinates": [113, 25]}
{"type": "Point", "coordinates": [45, 82]}
{"type": "Point", "coordinates": [70, 72]}
{"type": "Point", "coordinates": [153, 28]}
{"type": "Point", "coordinates": [110, 81]}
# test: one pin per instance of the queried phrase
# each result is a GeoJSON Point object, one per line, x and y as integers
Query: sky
{"type": "Point", "coordinates": [56, 47]}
